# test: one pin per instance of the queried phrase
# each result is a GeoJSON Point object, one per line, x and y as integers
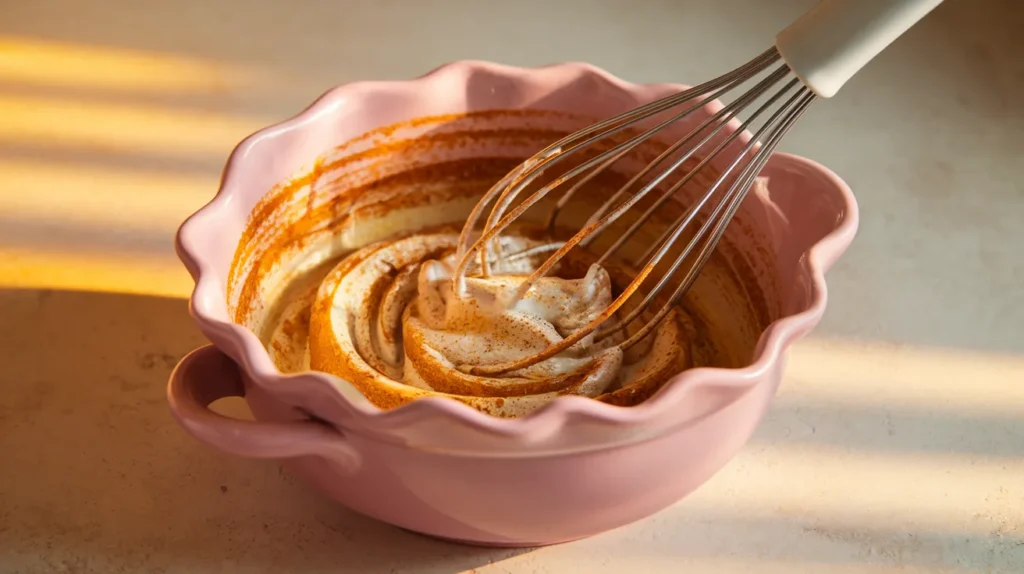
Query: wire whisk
{"type": "Point", "coordinates": [811, 59]}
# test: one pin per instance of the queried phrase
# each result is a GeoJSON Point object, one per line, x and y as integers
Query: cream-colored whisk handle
{"type": "Point", "coordinates": [836, 38]}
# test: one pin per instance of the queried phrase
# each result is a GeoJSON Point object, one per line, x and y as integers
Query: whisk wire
{"type": "Point", "coordinates": [744, 127]}
{"type": "Point", "coordinates": [736, 180]}
{"type": "Point", "coordinates": [668, 238]}
{"type": "Point", "coordinates": [726, 114]}
{"type": "Point", "coordinates": [498, 221]}
{"type": "Point", "coordinates": [510, 186]}
{"type": "Point", "coordinates": [721, 216]}
{"type": "Point", "coordinates": [593, 228]}
{"type": "Point", "coordinates": [745, 74]}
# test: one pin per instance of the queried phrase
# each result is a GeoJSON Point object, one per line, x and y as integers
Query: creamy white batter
{"type": "Point", "coordinates": [389, 319]}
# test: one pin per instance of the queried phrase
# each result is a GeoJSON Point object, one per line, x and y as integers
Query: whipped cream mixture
{"type": "Point", "coordinates": [390, 319]}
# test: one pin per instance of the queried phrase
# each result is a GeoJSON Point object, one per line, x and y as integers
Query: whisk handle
{"type": "Point", "coordinates": [831, 42]}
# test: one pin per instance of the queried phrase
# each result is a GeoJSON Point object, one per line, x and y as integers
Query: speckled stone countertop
{"type": "Point", "coordinates": [897, 441]}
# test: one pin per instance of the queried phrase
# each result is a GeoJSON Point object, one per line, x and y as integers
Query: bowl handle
{"type": "Point", "coordinates": [205, 375]}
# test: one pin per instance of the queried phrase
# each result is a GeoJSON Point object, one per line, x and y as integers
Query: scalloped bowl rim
{"type": "Point", "coordinates": [556, 414]}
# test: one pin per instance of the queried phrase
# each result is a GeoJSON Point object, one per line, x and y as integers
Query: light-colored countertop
{"type": "Point", "coordinates": [897, 441]}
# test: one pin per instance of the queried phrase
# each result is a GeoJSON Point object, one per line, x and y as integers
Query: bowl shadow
{"type": "Point", "coordinates": [97, 477]}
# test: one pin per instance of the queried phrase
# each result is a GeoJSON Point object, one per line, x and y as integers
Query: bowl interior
{"type": "Point", "coordinates": [376, 187]}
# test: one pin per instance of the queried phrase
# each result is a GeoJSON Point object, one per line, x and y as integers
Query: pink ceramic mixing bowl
{"type": "Point", "coordinates": [572, 469]}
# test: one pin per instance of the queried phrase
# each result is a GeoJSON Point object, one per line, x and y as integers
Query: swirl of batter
{"type": "Point", "coordinates": [389, 320]}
